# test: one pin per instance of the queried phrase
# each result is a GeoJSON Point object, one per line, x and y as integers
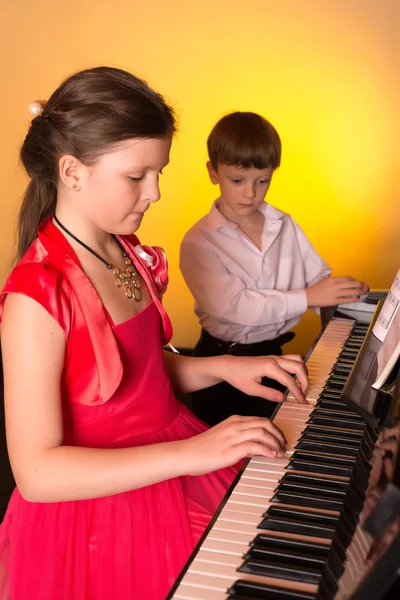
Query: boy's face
{"type": "Point", "coordinates": [242, 190]}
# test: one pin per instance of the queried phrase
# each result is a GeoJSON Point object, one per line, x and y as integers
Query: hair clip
{"type": "Point", "coordinates": [35, 108]}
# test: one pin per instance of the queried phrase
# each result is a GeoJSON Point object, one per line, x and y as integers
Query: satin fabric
{"type": "Point", "coordinates": [115, 394]}
{"type": "Point", "coordinates": [130, 546]}
{"type": "Point", "coordinates": [50, 273]}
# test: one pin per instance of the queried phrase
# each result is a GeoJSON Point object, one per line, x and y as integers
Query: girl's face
{"type": "Point", "coordinates": [117, 190]}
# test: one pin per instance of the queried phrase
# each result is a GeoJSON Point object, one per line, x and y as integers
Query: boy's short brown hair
{"type": "Point", "coordinates": [244, 139]}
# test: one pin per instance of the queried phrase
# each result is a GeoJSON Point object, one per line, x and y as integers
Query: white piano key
{"type": "Point", "coordinates": [237, 498]}
{"type": "Point", "coordinates": [259, 492]}
{"type": "Point", "coordinates": [221, 577]}
{"type": "Point", "coordinates": [213, 570]}
{"type": "Point", "coordinates": [188, 592]}
{"type": "Point", "coordinates": [260, 481]}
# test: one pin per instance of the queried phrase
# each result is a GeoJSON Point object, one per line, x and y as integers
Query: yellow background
{"type": "Point", "coordinates": [324, 72]}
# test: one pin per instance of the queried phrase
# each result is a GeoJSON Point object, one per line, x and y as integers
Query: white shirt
{"type": "Point", "coordinates": [242, 294]}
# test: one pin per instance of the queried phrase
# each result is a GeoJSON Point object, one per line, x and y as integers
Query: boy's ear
{"type": "Point", "coordinates": [212, 173]}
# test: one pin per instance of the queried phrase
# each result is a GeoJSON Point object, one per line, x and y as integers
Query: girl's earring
{"type": "Point", "coordinates": [74, 186]}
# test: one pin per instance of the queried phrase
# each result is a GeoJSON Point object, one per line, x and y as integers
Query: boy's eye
{"type": "Point", "coordinates": [236, 181]}
{"type": "Point", "coordinates": [262, 181]}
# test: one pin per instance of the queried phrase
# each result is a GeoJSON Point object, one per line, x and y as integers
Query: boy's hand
{"type": "Point", "coordinates": [335, 290]}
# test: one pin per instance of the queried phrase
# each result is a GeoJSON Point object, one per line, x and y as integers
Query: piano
{"type": "Point", "coordinates": [309, 526]}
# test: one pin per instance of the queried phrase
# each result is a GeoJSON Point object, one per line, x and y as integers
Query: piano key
{"type": "Point", "coordinates": [188, 592]}
{"type": "Point", "coordinates": [244, 590]}
{"type": "Point", "coordinates": [236, 527]}
{"type": "Point", "coordinates": [323, 551]}
{"type": "Point", "coordinates": [279, 570]}
{"type": "Point", "coordinates": [220, 577]}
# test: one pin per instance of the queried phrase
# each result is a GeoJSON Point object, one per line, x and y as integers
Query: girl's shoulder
{"type": "Point", "coordinates": [36, 276]}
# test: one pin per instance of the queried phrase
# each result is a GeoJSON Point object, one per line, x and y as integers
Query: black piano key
{"type": "Point", "coordinates": [299, 526]}
{"type": "Point", "coordinates": [339, 414]}
{"type": "Point", "coordinates": [303, 515]}
{"type": "Point", "coordinates": [331, 421]}
{"type": "Point", "coordinates": [341, 370]}
{"type": "Point", "coordinates": [326, 434]}
{"type": "Point", "coordinates": [308, 523]}
{"type": "Point", "coordinates": [334, 386]}
{"type": "Point", "coordinates": [281, 571]}
{"type": "Point", "coordinates": [346, 524]}
{"type": "Point", "coordinates": [354, 347]}
{"type": "Point", "coordinates": [334, 486]}
{"type": "Point", "coordinates": [345, 362]}
{"type": "Point", "coordinates": [306, 443]}
{"type": "Point", "coordinates": [249, 590]}
{"type": "Point", "coordinates": [331, 394]}
{"type": "Point", "coordinates": [278, 543]}
{"type": "Point", "coordinates": [344, 465]}
{"type": "Point", "coordinates": [288, 564]}
{"type": "Point", "coordinates": [286, 556]}
{"type": "Point", "coordinates": [297, 463]}
{"type": "Point", "coordinates": [350, 434]}
{"type": "Point", "coordinates": [328, 553]}
{"type": "Point", "coordinates": [325, 457]}
{"type": "Point", "coordinates": [343, 365]}
{"type": "Point", "coordinates": [339, 379]}
{"type": "Point", "coordinates": [328, 437]}
{"type": "Point", "coordinates": [348, 354]}
{"type": "Point", "coordinates": [285, 495]}
{"type": "Point", "coordinates": [333, 404]}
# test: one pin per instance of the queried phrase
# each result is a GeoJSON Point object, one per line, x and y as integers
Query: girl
{"type": "Point", "coordinates": [116, 480]}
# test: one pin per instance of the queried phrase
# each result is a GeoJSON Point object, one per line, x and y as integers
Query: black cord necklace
{"type": "Point", "coordinates": [127, 278]}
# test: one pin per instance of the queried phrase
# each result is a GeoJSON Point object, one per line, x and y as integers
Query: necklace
{"type": "Point", "coordinates": [128, 278]}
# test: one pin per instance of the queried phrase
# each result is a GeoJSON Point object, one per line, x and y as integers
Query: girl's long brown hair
{"type": "Point", "coordinates": [88, 113]}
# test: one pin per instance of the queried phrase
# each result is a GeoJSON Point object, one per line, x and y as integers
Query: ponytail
{"type": "Point", "coordinates": [38, 203]}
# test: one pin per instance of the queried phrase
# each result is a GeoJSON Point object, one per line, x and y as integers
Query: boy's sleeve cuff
{"type": "Point", "coordinates": [296, 303]}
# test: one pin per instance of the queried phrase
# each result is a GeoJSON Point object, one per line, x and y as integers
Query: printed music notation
{"type": "Point", "coordinates": [388, 311]}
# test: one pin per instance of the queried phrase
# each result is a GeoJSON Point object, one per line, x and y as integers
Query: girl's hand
{"type": "Point", "coordinates": [246, 373]}
{"type": "Point", "coordinates": [230, 441]}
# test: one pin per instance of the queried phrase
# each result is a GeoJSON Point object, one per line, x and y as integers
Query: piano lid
{"type": "Point", "coordinates": [379, 407]}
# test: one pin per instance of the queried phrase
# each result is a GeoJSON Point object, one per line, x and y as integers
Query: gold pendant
{"type": "Point", "coordinates": [128, 279]}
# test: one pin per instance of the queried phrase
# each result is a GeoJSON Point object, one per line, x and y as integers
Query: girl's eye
{"type": "Point", "coordinates": [136, 178]}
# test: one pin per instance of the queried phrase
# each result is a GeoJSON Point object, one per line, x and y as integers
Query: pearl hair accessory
{"type": "Point", "coordinates": [35, 108]}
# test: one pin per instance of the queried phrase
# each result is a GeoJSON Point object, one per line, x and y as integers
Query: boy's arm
{"type": "Point", "coordinates": [315, 268]}
{"type": "Point", "coordinates": [322, 290]}
{"type": "Point", "coordinates": [224, 296]}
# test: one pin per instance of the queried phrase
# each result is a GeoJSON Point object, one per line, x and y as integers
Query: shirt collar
{"type": "Point", "coordinates": [216, 220]}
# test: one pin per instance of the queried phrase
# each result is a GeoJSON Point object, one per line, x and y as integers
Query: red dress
{"type": "Point", "coordinates": [129, 546]}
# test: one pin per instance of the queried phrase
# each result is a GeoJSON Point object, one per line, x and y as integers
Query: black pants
{"type": "Point", "coordinates": [216, 403]}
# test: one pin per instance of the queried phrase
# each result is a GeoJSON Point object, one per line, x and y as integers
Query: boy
{"type": "Point", "coordinates": [249, 266]}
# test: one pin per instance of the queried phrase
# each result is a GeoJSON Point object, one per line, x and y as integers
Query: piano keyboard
{"type": "Point", "coordinates": [284, 529]}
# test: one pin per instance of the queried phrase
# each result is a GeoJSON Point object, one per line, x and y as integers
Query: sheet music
{"type": "Point", "coordinates": [389, 351]}
{"type": "Point", "coordinates": [389, 309]}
